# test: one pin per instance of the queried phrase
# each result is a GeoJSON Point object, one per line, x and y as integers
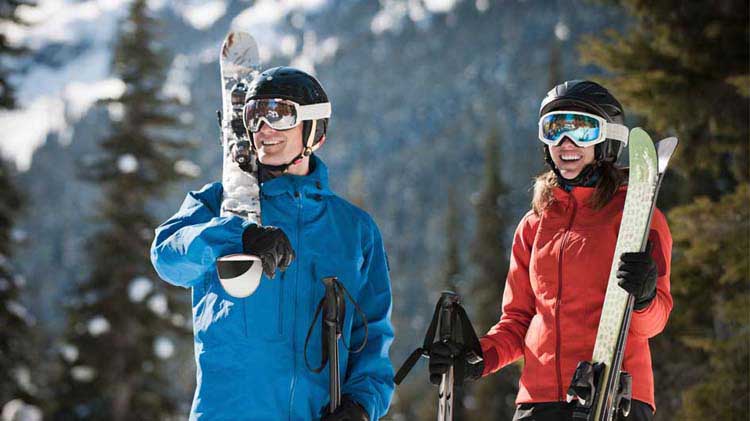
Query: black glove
{"type": "Point", "coordinates": [271, 245]}
{"type": "Point", "coordinates": [444, 354]}
{"type": "Point", "coordinates": [637, 274]}
{"type": "Point", "coordinates": [349, 410]}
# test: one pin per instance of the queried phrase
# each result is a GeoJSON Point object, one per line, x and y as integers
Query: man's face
{"type": "Point", "coordinates": [571, 159]}
{"type": "Point", "coordinates": [277, 147]}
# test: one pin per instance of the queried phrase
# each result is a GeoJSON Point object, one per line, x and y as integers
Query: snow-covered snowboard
{"type": "Point", "coordinates": [239, 62]}
{"type": "Point", "coordinates": [599, 386]}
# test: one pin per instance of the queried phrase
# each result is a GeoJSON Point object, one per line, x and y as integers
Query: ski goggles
{"type": "Point", "coordinates": [281, 114]}
{"type": "Point", "coordinates": [583, 129]}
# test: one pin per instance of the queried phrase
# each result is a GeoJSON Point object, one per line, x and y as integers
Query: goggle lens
{"type": "Point", "coordinates": [279, 114]}
{"type": "Point", "coordinates": [582, 129]}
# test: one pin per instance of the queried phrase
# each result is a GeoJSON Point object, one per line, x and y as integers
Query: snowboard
{"type": "Point", "coordinates": [598, 385]}
{"type": "Point", "coordinates": [239, 63]}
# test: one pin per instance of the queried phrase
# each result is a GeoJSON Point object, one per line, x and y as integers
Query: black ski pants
{"type": "Point", "coordinates": [562, 411]}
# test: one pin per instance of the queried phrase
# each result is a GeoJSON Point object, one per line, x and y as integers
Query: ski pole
{"type": "Point", "coordinates": [445, 391]}
{"type": "Point", "coordinates": [331, 319]}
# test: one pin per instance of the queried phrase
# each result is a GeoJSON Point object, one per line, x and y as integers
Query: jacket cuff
{"type": "Point", "coordinates": [491, 359]}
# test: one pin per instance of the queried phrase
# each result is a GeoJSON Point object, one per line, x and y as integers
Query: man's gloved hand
{"type": "Point", "coordinates": [445, 354]}
{"type": "Point", "coordinates": [637, 274]}
{"type": "Point", "coordinates": [271, 245]}
{"type": "Point", "coordinates": [349, 410]}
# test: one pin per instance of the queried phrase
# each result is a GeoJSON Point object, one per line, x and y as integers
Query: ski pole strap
{"type": "Point", "coordinates": [424, 350]}
{"type": "Point", "coordinates": [339, 292]}
{"type": "Point", "coordinates": [467, 337]}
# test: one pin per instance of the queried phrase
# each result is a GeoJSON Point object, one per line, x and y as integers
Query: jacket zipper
{"type": "Point", "coordinates": [298, 199]}
{"type": "Point", "coordinates": [558, 302]}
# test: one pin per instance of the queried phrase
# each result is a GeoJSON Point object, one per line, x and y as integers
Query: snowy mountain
{"type": "Point", "coordinates": [416, 86]}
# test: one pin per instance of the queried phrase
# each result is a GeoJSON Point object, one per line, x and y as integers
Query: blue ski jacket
{"type": "Point", "coordinates": [249, 351]}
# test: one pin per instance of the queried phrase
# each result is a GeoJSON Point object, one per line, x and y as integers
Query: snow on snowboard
{"type": "Point", "coordinates": [599, 387]}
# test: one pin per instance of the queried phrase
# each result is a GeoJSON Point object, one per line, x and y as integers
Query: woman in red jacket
{"type": "Point", "coordinates": [560, 263]}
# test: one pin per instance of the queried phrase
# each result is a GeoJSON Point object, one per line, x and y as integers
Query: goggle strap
{"type": "Point", "coordinates": [310, 136]}
{"type": "Point", "coordinates": [314, 111]}
{"type": "Point", "coordinates": [617, 132]}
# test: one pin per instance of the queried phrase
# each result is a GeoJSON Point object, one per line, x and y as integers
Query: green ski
{"type": "Point", "coordinates": [598, 385]}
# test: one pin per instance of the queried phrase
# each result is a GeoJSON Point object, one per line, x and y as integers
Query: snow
{"type": "Point", "coordinates": [389, 18]}
{"type": "Point", "coordinates": [482, 5]}
{"type": "Point", "coordinates": [20, 281]}
{"type": "Point", "coordinates": [52, 98]}
{"type": "Point", "coordinates": [18, 410]}
{"type": "Point", "coordinates": [127, 163]}
{"type": "Point", "coordinates": [177, 84]}
{"type": "Point", "coordinates": [98, 326]}
{"type": "Point", "coordinates": [80, 96]}
{"type": "Point", "coordinates": [439, 6]}
{"type": "Point", "coordinates": [18, 235]}
{"type": "Point", "coordinates": [27, 128]}
{"type": "Point", "coordinates": [187, 168]}
{"type": "Point", "coordinates": [69, 352]}
{"type": "Point", "coordinates": [201, 14]}
{"type": "Point", "coordinates": [288, 45]}
{"type": "Point", "coordinates": [562, 32]}
{"type": "Point", "coordinates": [83, 373]}
{"type": "Point", "coordinates": [139, 288]}
{"type": "Point", "coordinates": [163, 347]}
{"type": "Point", "coordinates": [261, 20]}
{"type": "Point", "coordinates": [179, 320]}
{"type": "Point", "coordinates": [314, 51]}
{"type": "Point", "coordinates": [158, 304]}
{"type": "Point", "coordinates": [71, 49]}
{"type": "Point", "coordinates": [19, 310]}
{"type": "Point", "coordinates": [22, 376]}
{"type": "Point", "coordinates": [116, 111]}
{"type": "Point", "coordinates": [392, 13]}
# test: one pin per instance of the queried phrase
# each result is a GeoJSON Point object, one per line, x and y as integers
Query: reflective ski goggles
{"type": "Point", "coordinates": [583, 129]}
{"type": "Point", "coordinates": [281, 114]}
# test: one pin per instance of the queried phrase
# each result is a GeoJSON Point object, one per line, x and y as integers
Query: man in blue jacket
{"type": "Point", "coordinates": [249, 351]}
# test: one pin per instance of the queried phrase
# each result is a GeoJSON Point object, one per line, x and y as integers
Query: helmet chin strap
{"type": "Point", "coordinates": [583, 177]}
{"type": "Point", "coordinates": [270, 171]}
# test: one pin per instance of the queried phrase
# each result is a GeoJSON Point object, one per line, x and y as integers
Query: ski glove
{"type": "Point", "coordinates": [349, 410]}
{"type": "Point", "coordinates": [271, 245]}
{"type": "Point", "coordinates": [449, 353]}
{"type": "Point", "coordinates": [637, 274]}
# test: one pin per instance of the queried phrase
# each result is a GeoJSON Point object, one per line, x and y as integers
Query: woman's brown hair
{"type": "Point", "coordinates": [612, 177]}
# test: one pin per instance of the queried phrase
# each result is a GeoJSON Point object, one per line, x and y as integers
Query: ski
{"type": "Point", "coordinates": [239, 62]}
{"type": "Point", "coordinates": [599, 386]}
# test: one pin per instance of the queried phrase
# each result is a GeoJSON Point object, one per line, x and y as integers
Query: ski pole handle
{"type": "Point", "coordinates": [331, 319]}
{"type": "Point", "coordinates": [445, 391]}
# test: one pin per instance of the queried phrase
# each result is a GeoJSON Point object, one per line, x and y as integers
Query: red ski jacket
{"type": "Point", "coordinates": [559, 268]}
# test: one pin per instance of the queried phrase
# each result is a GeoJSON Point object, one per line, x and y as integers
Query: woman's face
{"type": "Point", "coordinates": [570, 159]}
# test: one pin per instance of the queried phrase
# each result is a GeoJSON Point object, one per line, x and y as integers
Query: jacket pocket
{"type": "Point", "coordinates": [261, 314]}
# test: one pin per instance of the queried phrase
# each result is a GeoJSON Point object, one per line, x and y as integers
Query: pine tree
{"type": "Point", "coordinates": [17, 338]}
{"type": "Point", "coordinates": [492, 396]}
{"type": "Point", "coordinates": [16, 343]}
{"type": "Point", "coordinates": [9, 15]}
{"type": "Point", "coordinates": [122, 323]}
{"type": "Point", "coordinates": [684, 67]}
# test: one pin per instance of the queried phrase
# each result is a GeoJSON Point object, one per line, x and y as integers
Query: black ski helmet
{"type": "Point", "coordinates": [294, 85]}
{"type": "Point", "coordinates": [587, 96]}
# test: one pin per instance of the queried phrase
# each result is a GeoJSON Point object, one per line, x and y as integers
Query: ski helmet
{"type": "Point", "coordinates": [587, 96]}
{"type": "Point", "coordinates": [297, 86]}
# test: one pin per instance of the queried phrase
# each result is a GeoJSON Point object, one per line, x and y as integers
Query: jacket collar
{"type": "Point", "coordinates": [315, 182]}
{"type": "Point", "coordinates": [579, 193]}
